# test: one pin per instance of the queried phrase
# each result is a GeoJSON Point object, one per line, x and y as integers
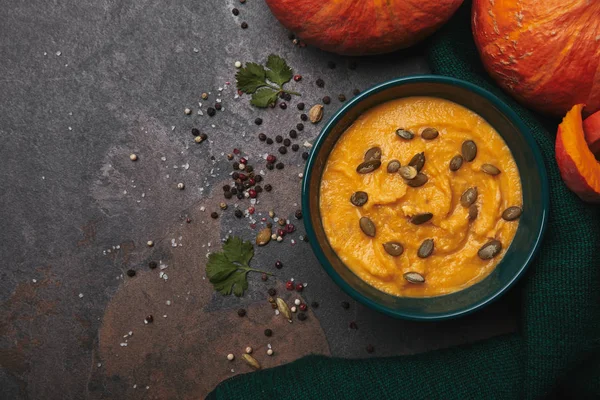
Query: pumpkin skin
{"type": "Point", "coordinates": [546, 53]}
{"type": "Point", "coordinates": [361, 27]}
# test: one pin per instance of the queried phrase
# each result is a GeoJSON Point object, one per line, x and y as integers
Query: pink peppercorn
{"type": "Point", "coordinates": [289, 285]}
{"type": "Point", "coordinates": [289, 228]}
{"type": "Point", "coordinates": [236, 151]}
{"type": "Point", "coordinates": [252, 193]}
{"type": "Point", "coordinates": [252, 181]}
{"type": "Point", "coordinates": [302, 306]}
{"type": "Point", "coordinates": [251, 210]}
{"type": "Point", "coordinates": [243, 160]}
{"type": "Point", "coordinates": [297, 77]}
{"type": "Point", "coordinates": [271, 158]}
{"type": "Point", "coordinates": [242, 177]}
{"type": "Point", "coordinates": [280, 232]}
{"type": "Point", "coordinates": [299, 288]}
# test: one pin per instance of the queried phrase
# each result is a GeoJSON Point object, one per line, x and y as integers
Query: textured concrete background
{"type": "Point", "coordinates": [82, 85]}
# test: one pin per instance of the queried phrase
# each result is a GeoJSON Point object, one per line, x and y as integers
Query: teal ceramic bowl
{"type": "Point", "coordinates": [531, 226]}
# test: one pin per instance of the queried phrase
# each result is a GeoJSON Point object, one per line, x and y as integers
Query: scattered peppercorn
{"type": "Point", "coordinates": [305, 155]}
{"type": "Point", "coordinates": [204, 96]}
{"type": "Point", "coordinates": [238, 213]}
{"type": "Point", "coordinates": [353, 325]}
{"type": "Point", "coordinates": [218, 106]}
{"type": "Point", "coordinates": [297, 77]}
{"type": "Point", "coordinates": [271, 158]}
{"type": "Point", "coordinates": [283, 105]}
{"type": "Point", "coordinates": [252, 193]}
{"type": "Point", "coordinates": [264, 277]}
{"type": "Point", "coordinates": [249, 168]}
{"type": "Point", "coordinates": [223, 206]}
{"type": "Point", "coordinates": [214, 215]}
{"type": "Point", "coordinates": [356, 92]}
{"type": "Point", "coordinates": [226, 188]}
{"type": "Point", "coordinates": [268, 332]}
{"type": "Point", "coordinates": [262, 137]}
{"type": "Point", "coordinates": [300, 106]}
{"type": "Point", "coordinates": [269, 141]}
{"type": "Point", "coordinates": [303, 307]}
{"type": "Point", "coordinates": [272, 292]}
{"type": "Point", "coordinates": [295, 147]}
{"type": "Point", "coordinates": [345, 305]}
{"type": "Point", "coordinates": [282, 150]}
{"type": "Point", "coordinates": [286, 97]}
{"type": "Point", "coordinates": [304, 117]}
{"type": "Point", "coordinates": [149, 319]}
{"type": "Point", "coordinates": [211, 111]}
{"type": "Point", "coordinates": [300, 127]}
{"type": "Point", "coordinates": [293, 134]}
{"type": "Point", "coordinates": [301, 316]}
{"type": "Point", "coordinates": [298, 214]}
{"type": "Point", "coordinates": [287, 142]}
{"type": "Point", "coordinates": [268, 187]}
{"type": "Point", "coordinates": [320, 83]}
{"type": "Point", "coordinates": [278, 264]}
{"type": "Point", "coordinates": [258, 178]}
{"type": "Point", "coordinates": [279, 138]}
{"type": "Point", "coordinates": [242, 177]}
{"type": "Point", "coordinates": [230, 156]}
{"type": "Point", "coordinates": [235, 12]}
{"type": "Point", "coordinates": [326, 99]}
{"type": "Point", "coordinates": [270, 166]}
{"type": "Point", "coordinates": [203, 136]}
{"type": "Point", "coordinates": [234, 191]}
{"type": "Point", "coordinates": [279, 165]}
{"type": "Point", "coordinates": [299, 287]}
{"type": "Point", "coordinates": [244, 24]}
{"type": "Point", "coordinates": [235, 175]}
{"type": "Point", "coordinates": [314, 304]}
{"type": "Point", "coordinates": [195, 131]}
{"type": "Point", "coordinates": [289, 285]}
{"type": "Point", "coordinates": [370, 349]}
{"type": "Point", "coordinates": [241, 312]}
{"type": "Point", "coordinates": [258, 121]}
{"type": "Point", "coordinates": [341, 97]}
{"type": "Point", "coordinates": [227, 195]}
{"type": "Point", "coordinates": [130, 273]}
{"type": "Point", "coordinates": [152, 264]}
{"type": "Point", "coordinates": [240, 195]}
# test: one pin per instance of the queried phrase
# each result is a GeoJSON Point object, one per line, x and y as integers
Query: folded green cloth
{"type": "Point", "coordinates": [557, 350]}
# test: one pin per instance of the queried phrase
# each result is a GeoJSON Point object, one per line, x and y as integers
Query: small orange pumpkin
{"type": "Point", "coordinates": [546, 53]}
{"type": "Point", "coordinates": [365, 26]}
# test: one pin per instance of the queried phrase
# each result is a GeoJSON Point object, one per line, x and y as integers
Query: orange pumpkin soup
{"type": "Point", "coordinates": [420, 197]}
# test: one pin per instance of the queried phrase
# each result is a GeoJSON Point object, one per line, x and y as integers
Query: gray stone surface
{"type": "Point", "coordinates": [82, 85]}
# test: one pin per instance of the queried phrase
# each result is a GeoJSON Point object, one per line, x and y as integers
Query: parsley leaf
{"type": "Point", "coordinates": [265, 85]}
{"type": "Point", "coordinates": [228, 270]}
{"type": "Point", "coordinates": [279, 72]}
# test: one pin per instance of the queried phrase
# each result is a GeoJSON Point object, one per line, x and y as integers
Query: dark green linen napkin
{"type": "Point", "coordinates": [557, 350]}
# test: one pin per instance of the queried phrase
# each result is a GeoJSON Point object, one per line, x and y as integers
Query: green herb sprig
{"type": "Point", "coordinates": [227, 270]}
{"type": "Point", "coordinates": [265, 85]}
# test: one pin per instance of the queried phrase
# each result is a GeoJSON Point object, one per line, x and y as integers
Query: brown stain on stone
{"type": "Point", "coordinates": [89, 233]}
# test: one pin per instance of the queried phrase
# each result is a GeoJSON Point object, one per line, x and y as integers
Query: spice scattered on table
{"type": "Point", "coordinates": [133, 157]}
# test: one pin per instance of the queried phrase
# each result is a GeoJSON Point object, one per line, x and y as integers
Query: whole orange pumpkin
{"type": "Point", "coordinates": [360, 27]}
{"type": "Point", "coordinates": [546, 53]}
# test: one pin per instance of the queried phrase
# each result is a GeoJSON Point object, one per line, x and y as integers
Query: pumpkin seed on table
{"type": "Point", "coordinates": [429, 133]}
{"type": "Point", "coordinates": [421, 218]}
{"type": "Point", "coordinates": [393, 166]}
{"type": "Point", "coordinates": [490, 250]}
{"type": "Point", "coordinates": [473, 212]}
{"type": "Point", "coordinates": [408, 172]}
{"type": "Point", "coordinates": [367, 226]}
{"type": "Point", "coordinates": [359, 198]}
{"type": "Point", "coordinates": [512, 213]}
{"type": "Point", "coordinates": [368, 166]}
{"type": "Point", "coordinates": [414, 277]}
{"type": "Point", "coordinates": [418, 161]}
{"type": "Point", "coordinates": [456, 163]}
{"type": "Point", "coordinates": [469, 150]}
{"type": "Point", "coordinates": [490, 169]}
{"type": "Point", "coordinates": [469, 197]}
{"type": "Point", "coordinates": [418, 181]}
{"type": "Point", "coordinates": [374, 153]}
{"type": "Point", "coordinates": [394, 249]}
{"type": "Point", "coordinates": [426, 248]}
{"type": "Point", "coordinates": [405, 134]}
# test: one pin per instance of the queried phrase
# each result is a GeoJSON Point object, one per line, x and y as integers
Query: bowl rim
{"type": "Point", "coordinates": [504, 109]}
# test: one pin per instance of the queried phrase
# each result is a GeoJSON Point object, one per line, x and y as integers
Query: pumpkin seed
{"type": "Point", "coordinates": [473, 212]}
{"type": "Point", "coordinates": [418, 181]}
{"type": "Point", "coordinates": [359, 198]}
{"type": "Point", "coordinates": [251, 361]}
{"type": "Point", "coordinates": [316, 113]}
{"type": "Point", "coordinates": [469, 150]}
{"type": "Point", "coordinates": [468, 197]}
{"type": "Point", "coordinates": [456, 163]}
{"type": "Point", "coordinates": [394, 249]}
{"type": "Point", "coordinates": [367, 226]}
{"type": "Point", "coordinates": [490, 249]}
{"type": "Point", "coordinates": [426, 248]}
{"type": "Point", "coordinates": [490, 169]}
{"type": "Point", "coordinates": [374, 153]}
{"type": "Point", "coordinates": [393, 166]}
{"type": "Point", "coordinates": [421, 218]}
{"type": "Point", "coordinates": [418, 161]}
{"type": "Point", "coordinates": [368, 166]}
{"type": "Point", "coordinates": [408, 172]}
{"type": "Point", "coordinates": [405, 134]}
{"type": "Point", "coordinates": [263, 236]}
{"type": "Point", "coordinates": [414, 277]}
{"type": "Point", "coordinates": [512, 213]}
{"type": "Point", "coordinates": [429, 133]}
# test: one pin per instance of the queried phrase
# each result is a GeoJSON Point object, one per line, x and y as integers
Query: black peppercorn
{"type": "Point", "coordinates": [235, 175]}
{"type": "Point", "coordinates": [345, 305]}
{"type": "Point", "coordinates": [195, 131]}
{"type": "Point", "coordinates": [278, 264]}
{"type": "Point", "coordinates": [238, 213]}
{"type": "Point", "coordinates": [258, 178]}
{"type": "Point", "coordinates": [283, 105]}
{"type": "Point", "coordinates": [241, 312]}
{"type": "Point", "coordinates": [233, 191]}
{"type": "Point", "coordinates": [236, 165]}
{"type": "Point", "coordinates": [356, 92]}
{"type": "Point", "coordinates": [240, 195]}
{"type": "Point", "coordinates": [235, 12]}
{"type": "Point", "coordinates": [342, 98]}
{"type": "Point", "coordinates": [262, 137]}
{"type": "Point", "coordinates": [244, 25]}
{"type": "Point", "coordinates": [268, 187]}
{"type": "Point", "coordinates": [211, 111]}
{"type": "Point", "coordinates": [330, 65]}
{"type": "Point", "coordinates": [300, 127]}
{"type": "Point", "coordinates": [152, 264]}
{"type": "Point", "coordinates": [226, 188]}
{"type": "Point", "coordinates": [282, 150]}
{"type": "Point", "coordinates": [300, 106]}
{"type": "Point", "coordinates": [149, 319]}
{"type": "Point", "coordinates": [295, 147]}
{"type": "Point", "coordinates": [301, 316]}
{"type": "Point", "coordinates": [320, 83]}
{"type": "Point", "coordinates": [326, 100]}
{"type": "Point", "coordinates": [214, 215]}
{"type": "Point", "coordinates": [279, 165]}
{"type": "Point", "coordinates": [227, 195]}
{"type": "Point", "coordinates": [272, 292]}
{"type": "Point", "coordinates": [218, 106]}
{"type": "Point", "coordinates": [268, 332]}
{"type": "Point", "coordinates": [293, 134]}
{"type": "Point", "coordinates": [287, 97]}
{"type": "Point", "coordinates": [203, 136]}
{"type": "Point", "coordinates": [305, 155]}
{"type": "Point", "coordinates": [279, 138]}
{"type": "Point", "coordinates": [258, 121]}
{"type": "Point", "coordinates": [269, 141]}
{"type": "Point", "coordinates": [130, 273]}
{"type": "Point", "coordinates": [287, 142]}
{"type": "Point", "coordinates": [304, 117]}
{"type": "Point", "coordinates": [298, 214]}
{"type": "Point", "coordinates": [270, 166]}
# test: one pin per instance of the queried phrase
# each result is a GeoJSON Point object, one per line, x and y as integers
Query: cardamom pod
{"type": "Point", "coordinates": [316, 113]}
{"type": "Point", "coordinates": [284, 309]}
{"type": "Point", "coordinates": [251, 361]}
